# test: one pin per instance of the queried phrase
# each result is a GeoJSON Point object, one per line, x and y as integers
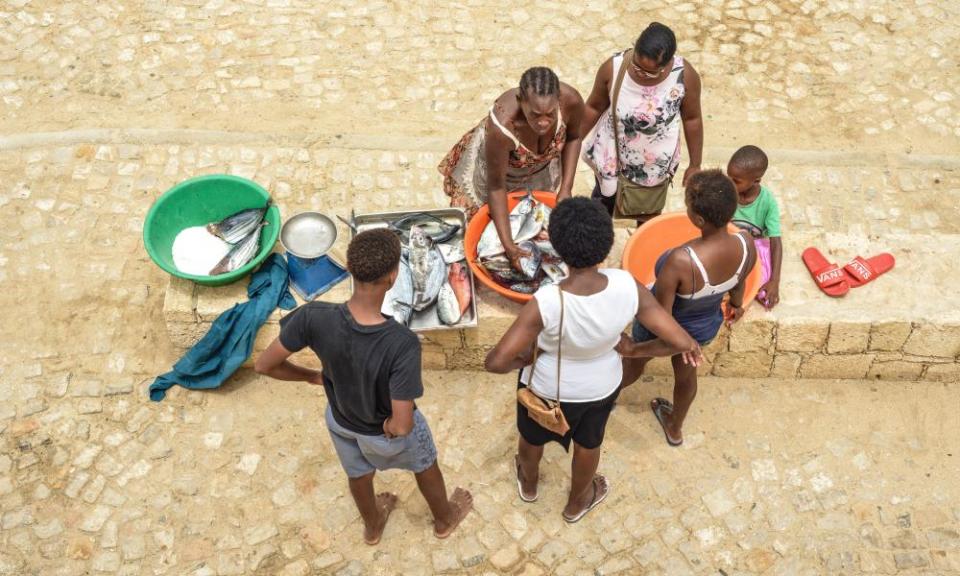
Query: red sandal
{"type": "Point", "coordinates": [860, 271]}
{"type": "Point", "coordinates": [830, 278]}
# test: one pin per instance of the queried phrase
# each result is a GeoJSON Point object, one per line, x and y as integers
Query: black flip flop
{"type": "Point", "coordinates": [596, 502]}
{"type": "Point", "coordinates": [516, 461]}
{"type": "Point", "coordinates": [658, 406]}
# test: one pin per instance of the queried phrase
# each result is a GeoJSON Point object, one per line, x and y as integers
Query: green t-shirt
{"type": "Point", "coordinates": [760, 217]}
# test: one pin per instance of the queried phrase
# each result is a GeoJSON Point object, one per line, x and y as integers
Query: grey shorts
{"type": "Point", "coordinates": [360, 454]}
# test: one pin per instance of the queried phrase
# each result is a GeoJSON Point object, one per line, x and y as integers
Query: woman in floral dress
{"type": "Point", "coordinates": [530, 139]}
{"type": "Point", "coordinates": [659, 92]}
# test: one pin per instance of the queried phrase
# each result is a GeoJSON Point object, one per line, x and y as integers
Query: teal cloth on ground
{"type": "Point", "coordinates": [229, 342]}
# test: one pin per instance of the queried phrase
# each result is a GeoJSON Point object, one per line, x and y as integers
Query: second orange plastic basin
{"type": "Point", "coordinates": [658, 235]}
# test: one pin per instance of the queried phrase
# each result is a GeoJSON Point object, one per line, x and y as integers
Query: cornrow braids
{"type": "Point", "coordinates": [539, 81]}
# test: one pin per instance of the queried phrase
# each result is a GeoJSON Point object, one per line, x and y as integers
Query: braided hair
{"type": "Point", "coordinates": [539, 81]}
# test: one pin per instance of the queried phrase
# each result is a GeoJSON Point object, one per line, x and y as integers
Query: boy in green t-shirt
{"type": "Point", "coordinates": [757, 212]}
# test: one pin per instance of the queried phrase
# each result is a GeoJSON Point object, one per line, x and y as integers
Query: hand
{"type": "Point", "coordinates": [317, 378]}
{"type": "Point", "coordinates": [690, 171]}
{"type": "Point", "coordinates": [772, 296]}
{"type": "Point", "coordinates": [514, 253]}
{"type": "Point", "coordinates": [386, 430]}
{"type": "Point", "coordinates": [625, 346]}
{"type": "Point", "coordinates": [733, 314]}
{"type": "Point", "coordinates": [693, 357]}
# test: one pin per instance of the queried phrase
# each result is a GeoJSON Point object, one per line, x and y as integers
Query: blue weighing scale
{"type": "Point", "coordinates": [311, 277]}
{"type": "Point", "coordinates": [307, 237]}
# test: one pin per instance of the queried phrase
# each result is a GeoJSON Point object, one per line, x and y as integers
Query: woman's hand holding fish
{"type": "Point", "coordinates": [514, 253]}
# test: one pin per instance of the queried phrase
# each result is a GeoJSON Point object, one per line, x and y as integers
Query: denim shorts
{"type": "Point", "coordinates": [360, 454]}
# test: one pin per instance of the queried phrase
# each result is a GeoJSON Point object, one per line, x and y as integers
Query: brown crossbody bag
{"type": "Point", "coordinates": [632, 199]}
{"type": "Point", "coordinates": [545, 412]}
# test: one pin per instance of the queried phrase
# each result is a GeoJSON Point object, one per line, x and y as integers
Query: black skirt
{"type": "Point", "coordinates": [587, 420]}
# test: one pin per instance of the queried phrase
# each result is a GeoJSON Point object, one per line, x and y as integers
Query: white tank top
{"type": "Point", "coordinates": [591, 368]}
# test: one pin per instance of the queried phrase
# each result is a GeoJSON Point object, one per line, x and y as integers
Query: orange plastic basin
{"type": "Point", "coordinates": [472, 237]}
{"type": "Point", "coordinates": [666, 231]}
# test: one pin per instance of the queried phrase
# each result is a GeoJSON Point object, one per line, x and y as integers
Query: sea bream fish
{"type": "Point", "coordinates": [448, 308]}
{"type": "Point", "coordinates": [236, 227]}
{"type": "Point", "coordinates": [535, 223]}
{"type": "Point", "coordinates": [398, 301]}
{"type": "Point", "coordinates": [427, 267]}
{"type": "Point", "coordinates": [240, 254]}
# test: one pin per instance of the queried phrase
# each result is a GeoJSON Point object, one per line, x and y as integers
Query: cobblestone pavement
{"type": "Point", "coordinates": [350, 106]}
{"type": "Point", "coordinates": [805, 73]}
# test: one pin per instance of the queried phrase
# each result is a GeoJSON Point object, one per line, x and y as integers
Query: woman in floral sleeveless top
{"type": "Point", "coordinates": [659, 92]}
{"type": "Point", "coordinates": [530, 139]}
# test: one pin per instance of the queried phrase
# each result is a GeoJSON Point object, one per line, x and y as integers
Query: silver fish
{"type": "Point", "coordinates": [436, 228]}
{"type": "Point", "coordinates": [398, 302]}
{"type": "Point", "coordinates": [427, 267]}
{"type": "Point", "coordinates": [236, 227]}
{"type": "Point", "coordinates": [547, 249]}
{"type": "Point", "coordinates": [489, 243]}
{"type": "Point", "coordinates": [534, 222]}
{"type": "Point", "coordinates": [240, 254]}
{"type": "Point", "coordinates": [452, 251]}
{"type": "Point", "coordinates": [555, 271]}
{"type": "Point", "coordinates": [530, 265]}
{"type": "Point", "coordinates": [448, 307]}
{"type": "Point", "coordinates": [525, 287]}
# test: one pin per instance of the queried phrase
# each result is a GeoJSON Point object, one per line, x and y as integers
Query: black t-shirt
{"type": "Point", "coordinates": [364, 367]}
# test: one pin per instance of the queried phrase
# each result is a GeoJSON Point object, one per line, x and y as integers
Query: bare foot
{"type": "Point", "coordinates": [461, 502]}
{"type": "Point", "coordinates": [386, 502]}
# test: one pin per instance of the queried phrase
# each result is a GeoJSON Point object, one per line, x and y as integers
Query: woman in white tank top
{"type": "Point", "coordinates": [596, 305]}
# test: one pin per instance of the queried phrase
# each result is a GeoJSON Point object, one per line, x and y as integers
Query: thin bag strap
{"type": "Point", "coordinates": [613, 105]}
{"type": "Point", "coordinates": [559, 342]}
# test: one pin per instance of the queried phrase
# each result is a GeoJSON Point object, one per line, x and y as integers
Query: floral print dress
{"type": "Point", "coordinates": [649, 131]}
{"type": "Point", "coordinates": [464, 168]}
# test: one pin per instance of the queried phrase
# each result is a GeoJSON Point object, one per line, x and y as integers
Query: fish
{"type": "Point", "coordinates": [530, 265]}
{"type": "Point", "coordinates": [525, 287]}
{"type": "Point", "coordinates": [459, 280]}
{"type": "Point", "coordinates": [489, 244]}
{"type": "Point", "coordinates": [428, 269]}
{"type": "Point", "coordinates": [501, 271]}
{"type": "Point", "coordinates": [534, 223]}
{"type": "Point", "coordinates": [547, 249]}
{"type": "Point", "coordinates": [452, 251]}
{"type": "Point", "coordinates": [241, 253]}
{"type": "Point", "coordinates": [436, 228]}
{"type": "Point", "coordinates": [555, 271]}
{"type": "Point", "coordinates": [236, 227]}
{"type": "Point", "coordinates": [398, 301]}
{"type": "Point", "coordinates": [448, 307]}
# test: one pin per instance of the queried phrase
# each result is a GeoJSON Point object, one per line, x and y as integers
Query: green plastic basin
{"type": "Point", "coordinates": [197, 202]}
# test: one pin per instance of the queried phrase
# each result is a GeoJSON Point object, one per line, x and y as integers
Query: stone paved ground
{"type": "Point", "coordinates": [105, 105]}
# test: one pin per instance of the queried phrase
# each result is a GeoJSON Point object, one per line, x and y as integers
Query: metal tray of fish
{"type": "Point", "coordinates": [450, 249]}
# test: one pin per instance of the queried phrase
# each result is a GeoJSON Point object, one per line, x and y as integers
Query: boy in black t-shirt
{"type": "Point", "coordinates": [371, 376]}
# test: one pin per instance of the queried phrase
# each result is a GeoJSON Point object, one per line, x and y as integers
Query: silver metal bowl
{"type": "Point", "coordinates": [308, 235]}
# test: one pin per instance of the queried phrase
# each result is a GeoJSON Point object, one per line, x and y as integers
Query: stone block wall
{"type": "Point", "coordinates": [757, 347]}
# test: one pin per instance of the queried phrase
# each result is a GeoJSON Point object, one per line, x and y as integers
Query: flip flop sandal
{"type": "Point", "coordinates": [516, 461]}
{"type": "Point", "coordinates": [596, 502]}
{"type": "Point", "coordinates": [830, 278]}
{"type": "Point", "coordinates": [860, 271]}
{"type": "Point", "coordinates": [658, 406]}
